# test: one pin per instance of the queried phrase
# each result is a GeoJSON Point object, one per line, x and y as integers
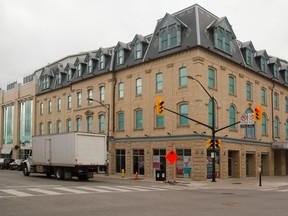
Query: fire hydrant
{"type": "Point", "coordinates": [122, 173]}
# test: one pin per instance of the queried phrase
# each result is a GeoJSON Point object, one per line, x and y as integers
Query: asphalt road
{"type": "Point", "coordinates": [38, 195]}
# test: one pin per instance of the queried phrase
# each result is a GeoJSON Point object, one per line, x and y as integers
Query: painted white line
{"type": "Point", "coordinates": [33, 186]}
{"type": "Point", "coordinates": [134, 188]}
{"type": "Point", "coordinates": [94, 189]}
{"type": "Point", "coordinates": [152, 188]}
{"type": "Point", "coordinates": [44, 191]}
{"type": "Point", "coordinates": [284, 190]}
{"type": "Point", "coordinates": [16, 193]}
{"type": "Point", "coordinates": [114, 189]}
{"type": "Point", "coordinates": [71, 190]}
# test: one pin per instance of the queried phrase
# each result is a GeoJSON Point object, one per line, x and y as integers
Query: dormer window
{"type": "Point", "coordinates": [45, 82]}
{"type": "Point", "coordinates": [90, 66]}
{"type": "Point", "coordinates": [102, 62]}
{"type": "Point", "coordinates": [79, 70]}
{"type": "Point", "coordinates": [138, 50]}
{"type": "Point", "coordinates": [70, 74]}
{"type": "Point", "coordinates": [249, 56]}
{"type": "Point", "coordinates": [120, 57]}
{"type": "Point", "coordinates": [276, 71]}
{"type": "Point", "coordinates": [170, 37]}
{"type": "Point", "coordinates": [223, 40]}
{"type": "Point", "coordinates": [263, 64]}
{"type": "Point", "coordinates": [59, 79]}
{"type": "Point", "coordinates": [286, 76]}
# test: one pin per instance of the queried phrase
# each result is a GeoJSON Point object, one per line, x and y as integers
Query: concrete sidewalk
{"type": "Point", "coordinates": [267, 182]}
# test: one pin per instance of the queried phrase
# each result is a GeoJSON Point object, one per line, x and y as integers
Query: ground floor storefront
{"type": "Point", "coordinates": [233, 159]}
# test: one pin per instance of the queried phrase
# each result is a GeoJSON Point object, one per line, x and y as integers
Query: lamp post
{"type": "Point", "coordinates": [213, 131]}
{"type": "Point", "coordinates": [107, 107]}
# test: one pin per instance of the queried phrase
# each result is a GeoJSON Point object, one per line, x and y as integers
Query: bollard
{"type": "Point", "coordinates": [136, 176]}
{"type": "Point", "coordinates": [122, 173]}
{"type": "Point", "coordinates": [260, 180]}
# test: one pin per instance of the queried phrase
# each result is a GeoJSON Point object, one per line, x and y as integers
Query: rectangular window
{"type": "Point", "coordinates": [159, 82]}
{"type": "Point", "coordinates": [68, 125]}
{"type": "Point", "coordinates": [90, 95]}
{"type": "Point", "coordinates": [70, 74]}
{"type": "Point", "coordinates": [41, 109]}
{"type": "Point", "coordinates": [249, 91]}
{"type": "Point", "coordinates": [79, 124]}
{"type": "Point", "coordinates": [263, 96]}
{"type": "Point", "coordinates": [286, 104]}
{"type": "Point", "coordinates": [121, 121]}
{"type": "Point", "coordinates": [276, 71]}
{"type": "Point", "coordinates": [231, 85]}
{"type": "Point", "coordinates": [120, 59]}
{"type": "Point", "coordinates": [90, 66]}
{"type": "Point", "coordinates": [69, 102]}
{"type": "Point", "coordinates": [159, 121]}
{"type": "Point", "coordinates": [59, 127]}
{"type": "Point", "coordinates": [138, 50]}
{"type": "Point", "coordinates": [138, 86]}
{"type": "Point", "coordinates": [101, 123]}
{"type": "Point", "coordinates": [276, 101]}
{"type": "Point", "coordinates": [183, 111]}
{"type": "Point", "coordinates": [182, 77]}
{"type": "Point", "coordinates": [120, 90]}
{"type": "Point", "coordinates": [26, 121]}
{"type": "Point", "coordinates": [102, 62]}
{"type": "Point", "coordinates": [50, 106]}
{"type": "Point", "coordinates": [248, 56]}
{"type": "Point", "coordinates": [8, 124]}
{"type": "Point", "coordinates": [102, 93]}
{"type": "Point", "coordinates": [211, 78]}
{"type": "Point", "coordinates": [79, 70]}
{"type": "Point", "coordinates": [50, 128]}
{"type": "Point", "coordinates": [120, 160]}
{"type": "Point", "coordinates": [139, 121]}
{"type": "Point", "coordinates": [79, 99]}
{"type": "Point", "coordinates": [89, 124]}
{"type": "Point", "coordinates": [59, 105]}
{"type": "Point", "coordinates": [41, 129]}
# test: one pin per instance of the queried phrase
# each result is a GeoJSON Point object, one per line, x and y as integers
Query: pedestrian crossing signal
{"type": "Point", "coordinates": [258, 113]}
{"type": "Point", "coordinates": [218, 143]}
{"type": "Point", "coordinates": [159, 106]}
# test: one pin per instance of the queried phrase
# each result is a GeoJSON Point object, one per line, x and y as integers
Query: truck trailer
{"type": "Point", "coordinates": [66, 155]}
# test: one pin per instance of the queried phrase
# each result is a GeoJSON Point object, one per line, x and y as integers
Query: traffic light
{"type": "Point", "coordinates": [218, 143]}
{"type": "Point", "coordinates": [258, 113]}
{"type": "Point", "coordinates": [159, 106]}
{"type": "Point", "coordinates": [210, 143]}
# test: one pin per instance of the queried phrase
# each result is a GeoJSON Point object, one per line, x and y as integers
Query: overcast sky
{"type": "Point", "coordinates": [34, 33]}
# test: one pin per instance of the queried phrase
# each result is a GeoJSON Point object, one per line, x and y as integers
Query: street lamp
{"type": "Point", "coordinates": [107, 107]}
{"type": "Point", "coordinates": [212, 128]}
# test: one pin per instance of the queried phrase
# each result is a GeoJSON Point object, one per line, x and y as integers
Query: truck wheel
{"type": "Point", "coordinates": [25, 170]}
{"type": "Point", "coordinates": [59, 174]}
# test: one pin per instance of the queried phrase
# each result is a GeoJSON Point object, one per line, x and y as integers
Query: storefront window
{"type": "Point", "coordinates": [184, 163]}
{"type": "Point", "coordinates": [138, 161]}
{"type": "Point", "coordinates": [159, 160]}
{"type": "Point", "coordinates": [120, 160]}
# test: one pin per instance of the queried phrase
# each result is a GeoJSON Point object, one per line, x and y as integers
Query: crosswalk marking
{"type": "Point", "coordinates": [94, 189]}
{"type": "Point", "coordinates": [61, 190]}
{"type": "Point", "coordinates": [283, 190]}
{"type": "Point", "coordinates": [71, 190]}
{"type": "Point", "coordinates": [48, 192]}
{"type": "Point", "coordinates": [134, 188]}
{"type": "Point", "coordinates": [114, 189]}
{"type": "Point", "coordinates": [16, 193]}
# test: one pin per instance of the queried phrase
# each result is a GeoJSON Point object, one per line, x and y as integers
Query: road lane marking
{"type": "Point", "coordinates": [16, 193]}
{"type": "Point", "coordinates": [94, 189]}
{"type": "Point", "coordinates": [44, 191]}
{"type": "Point", "coordinates": [135, 188]}
{"type": "Point", "coordinates": [283, 190]}
{"type": "Point", "coordinates": [151, 188]}
{"type": "Point", "coordinates": [71, 190]}
{"type": "Point", "coordinates": [114, 189]}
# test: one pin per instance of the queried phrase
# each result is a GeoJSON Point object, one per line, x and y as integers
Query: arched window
{"type": "Point", "coordinates": [276, 127]}
{"type": "Point", "coordinates": [232, 117]}
{"type": "Point", "coordinates": [250, 131]}
{"type": "Point", "coordinates": [183, 109]}
{"type": "Point", "coordinates": [264, 124]}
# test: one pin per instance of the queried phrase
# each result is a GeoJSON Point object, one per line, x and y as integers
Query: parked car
{"type": "Point", "coordinates": [6, 163]}
{"type": "Point", "coordinates": [16, 165]}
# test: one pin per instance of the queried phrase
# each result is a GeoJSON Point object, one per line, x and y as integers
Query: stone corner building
{"type": "Point", "coordinates": [128, 77]}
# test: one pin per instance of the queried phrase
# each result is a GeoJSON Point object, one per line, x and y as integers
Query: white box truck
{"type": "Point", "coordinates": [66, 155]}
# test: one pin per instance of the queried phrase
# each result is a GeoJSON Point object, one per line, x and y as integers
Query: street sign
{"type": "Point", "coordinates": [171, 156]}
{"type": "Point", "coordinates": [247, 120]}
